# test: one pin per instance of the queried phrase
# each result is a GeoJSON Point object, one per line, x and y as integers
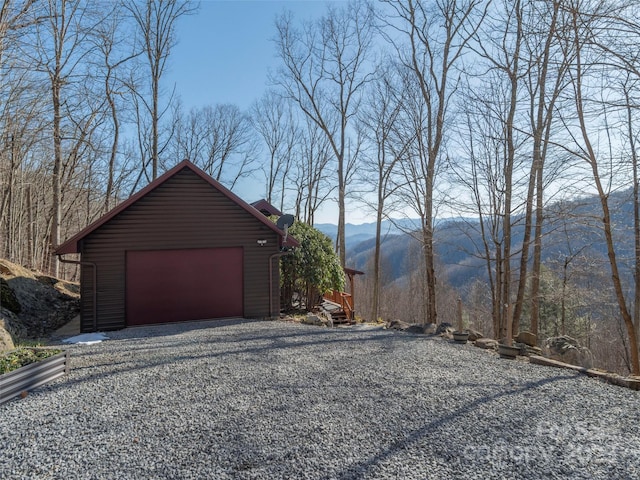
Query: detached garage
{"type": "Point", "coordinates": [183, 248]}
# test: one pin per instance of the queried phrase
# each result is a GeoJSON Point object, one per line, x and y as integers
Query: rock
{"type": "Point", "coordinates": [397, 325]}
{"type": "Point", "coordinates": [33, 306]}
{"type": "Point", "coordinates": [430, 329]}
{"type": "Point", "coordinates": [521, 346]}
{"type": "Point", "coordinates": [10, 322]}
{"type": "Point", "coordinates": [44, 308]}
{"type": "Point", "coordinates": [474, 335]}
{"type": "Point", "coordinates": [528, 350]}
{"type": "Point", "coordinates": [415, 329]}
{"type": "Point", "coordinates": [311, 319]}
{"type": "Point", "coordinates": [317, 320]}
{"type": "Point", "coordinates": [444, 328]}
{"type": "Point", "coordinates": [8, 298]}
{"type": "Point", "coordinates": [487, 343]}
{"type": "Point", "coordinates": [527, 338]}
{"type": "Point", "coordinates": [567, 349]}
{"type": "Point", "coordinates": [525, 349]}
{"type": "Point", "coordinates": [411, 328]}
{"type": "Point", "coordinates": [509, 351]}
{"type": "Point", "coordinates": [6, 342]}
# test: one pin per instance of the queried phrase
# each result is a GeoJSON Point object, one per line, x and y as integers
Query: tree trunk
{"type": "Point", "coordinates": [375, 301]}
{"type": "Point", "coordinates": [54, 239]}
{"type": "Point", "coordinates": [526, 241]}
{"type": "Point", "coordinates": [604, 202]}
{"type": "Point", "coordinates": [537, 255]}
{"type": "Point", "coordinates": [114, 146]}
{"type": "Point", "coordinates": [429, 263]}
{"type": "Point", "coordinates": [636, 219]}
{"type": "Point", "coordinates": [340, 238]}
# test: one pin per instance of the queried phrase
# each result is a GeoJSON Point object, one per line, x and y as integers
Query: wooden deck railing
{"type": "Point", "coordinates": [344, 300]}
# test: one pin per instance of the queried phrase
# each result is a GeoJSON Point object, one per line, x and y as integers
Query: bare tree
{"type": "Point", "coordinates": [432, 39]}
{"type": "Point", "coordinates": [115, 54]}
{"type": "Point", "coordinates": [586, 22]}
{"type": "Point", "coordinates": [507, 62]}
{"type": "Point", "coordinates": [273, 120]}
{"type": "Point", "coordinates": [509, 114]}
{"type": "Point", "coordinates": [18, 124]}
{"type": "Point", "coordinates": [636, 208]}
{"type": "Point", "coordinates": [483, 174]}
{"type": "Point", "coordinates": [156, 22]}
{"type": "Point", "coordinates": [619, 45]}
{"type": "Point", "coordinates": [219, 139]}
{"type": "Point", "coordinates": [379, 123]}
{"type": "Point", "coordinates": [190, 132]}
{"type": "Point", "coordinates": [309, 174]}
{"type": "Point", "coordinates": [21, 129]}
{"type": "Point", "coordinates": [14, 17]}
{"type": "Point", "coordinates": [62, 47]}
{"type": "Point", "coordinates": [324, 70]}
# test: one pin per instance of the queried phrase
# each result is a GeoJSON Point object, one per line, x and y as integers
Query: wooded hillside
{"type": "Point", "coordinates": [487, 110]}
{"type": "Point", "coordinates": [576, 296]}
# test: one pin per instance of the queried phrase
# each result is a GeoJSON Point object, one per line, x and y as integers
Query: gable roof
{"type": "Point", "coordinates": [266, 208]}
{"type": "Point", "coordinates": [72, 244]}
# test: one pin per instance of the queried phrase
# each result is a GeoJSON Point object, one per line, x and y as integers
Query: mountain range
{"type": "Point", "coordinates": [357, 233]}
{"type": "Point", "coordinates": [572, 228]}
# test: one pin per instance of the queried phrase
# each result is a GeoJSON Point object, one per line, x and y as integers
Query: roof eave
{"type": "Point", "coordinates": [67, 247]}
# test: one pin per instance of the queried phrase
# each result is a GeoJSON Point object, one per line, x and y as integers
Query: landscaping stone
{"type": "Point", "coordinates": [528, 350]}
{"type": "Point", "coordinates": [567, 349]}
{"type": "Point", "coordinates": [6, 342]}
{"type": "Point", "coordinates": [474, 335]}
{"type": "Point", "coordinates": [415, 329]}
{"type": "Point", "coordinates": [445, 328]}
{"type": "Point", "coordinates": [317, 320]}
{"type": "Point", "coordinates": [418, 328]}
{"type": "Point", "coordinates": [396, 324]}
{"type": "Point", "coordinates": [487, 343]}
{"type": "Point", "coordinates": [430, 329]}
{"type": "Point", "coordinates": [527, 338]}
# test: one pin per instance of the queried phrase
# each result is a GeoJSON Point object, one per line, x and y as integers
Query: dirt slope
{"type": "Point", "coordinates": [33, 305]}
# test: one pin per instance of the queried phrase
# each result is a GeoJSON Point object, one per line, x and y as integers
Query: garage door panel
{"type": "Point", "coordinates": [178, 285]}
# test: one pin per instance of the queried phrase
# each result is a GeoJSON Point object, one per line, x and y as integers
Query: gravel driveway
{"type": "Point", "coordinates": [270, 400]}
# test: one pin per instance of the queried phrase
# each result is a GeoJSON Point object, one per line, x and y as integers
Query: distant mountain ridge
{"type": "Point", "coordinates": [570, 226]}
{"type": "Point", "coordinates": [356, 233]}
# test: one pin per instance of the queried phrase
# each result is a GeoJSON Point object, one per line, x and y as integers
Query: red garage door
{"type": "Point", "coordinates": [176, 285]}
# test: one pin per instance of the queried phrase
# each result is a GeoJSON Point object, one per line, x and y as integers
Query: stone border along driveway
{"type": "Point", "coordinates": [268, 400]}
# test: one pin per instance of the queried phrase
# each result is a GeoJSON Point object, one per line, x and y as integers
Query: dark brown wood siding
{"type": "Point", "coordinates": [185, 212]}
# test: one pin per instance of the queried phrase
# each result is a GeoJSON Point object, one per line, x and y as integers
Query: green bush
{"type": "Point", "coordinates": [311, 270]}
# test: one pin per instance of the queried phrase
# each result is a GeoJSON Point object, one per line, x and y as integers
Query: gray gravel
{"type": "Point", "coordinates": [268, 400]}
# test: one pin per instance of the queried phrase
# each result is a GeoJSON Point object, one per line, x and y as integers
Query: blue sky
{"type": "Point", "coordinates": [223, 55]}
{"type": "Point", "coordinates": [225, 50]}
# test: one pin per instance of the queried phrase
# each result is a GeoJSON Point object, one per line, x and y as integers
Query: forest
{"type": "Point", "coordinates": [502, 114]}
